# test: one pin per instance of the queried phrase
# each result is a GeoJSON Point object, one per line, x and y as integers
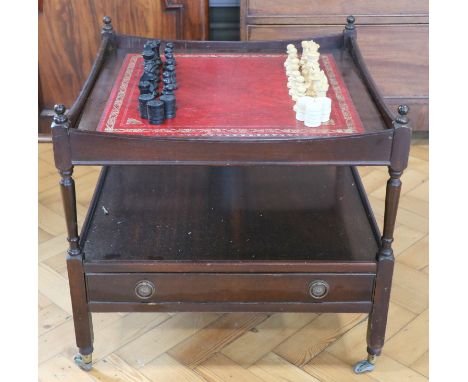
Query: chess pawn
{"type": "Point", "coordinates": [170, 56]}
{"type": "Point", "coordinates": [172, 74]}
{"type": "Point", "coordinates": [168, 88]}
{"type": "Point", "coordinates": [290, 48]}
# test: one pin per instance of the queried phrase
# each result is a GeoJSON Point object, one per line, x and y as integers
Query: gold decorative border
{"type": "Point", "coordinates": [110, 123]}
{"type": "Point", "coordinates": [339, 95]}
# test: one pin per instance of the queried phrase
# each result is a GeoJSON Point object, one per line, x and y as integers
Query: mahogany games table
{"type": "Point", "coordinates": [233, 205]}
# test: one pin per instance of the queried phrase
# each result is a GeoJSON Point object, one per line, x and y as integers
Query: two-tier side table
{"type": "Point", "coordinates": [233, 205]}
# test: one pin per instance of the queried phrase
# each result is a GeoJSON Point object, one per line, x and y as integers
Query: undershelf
{"type": "Point", "coordinates": [251, 219]}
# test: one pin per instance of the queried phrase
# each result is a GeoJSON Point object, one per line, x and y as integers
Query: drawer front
{"type": "Point", "coordinates": [302, 11]}
{"type": "Point", "coordinates": [218, 287]}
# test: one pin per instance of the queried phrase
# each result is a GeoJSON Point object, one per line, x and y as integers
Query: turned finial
{"type": "Point", "coordinates": [60, 117]}
{"type": "Point", "coordinates": [350, 22]}
{"type": "Point", "coordinates": [107, 28]}
{"type": "Point", "coordinates": [401, 118]}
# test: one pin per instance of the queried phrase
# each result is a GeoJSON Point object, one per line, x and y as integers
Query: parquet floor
{"type": "Point", "coordinates": [238, 346]}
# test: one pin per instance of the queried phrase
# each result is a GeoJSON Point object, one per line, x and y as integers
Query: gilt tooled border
{"type": "Point", "coordinates": [121, 94]}
{"type": "Point", "coordinates": [343, 106]}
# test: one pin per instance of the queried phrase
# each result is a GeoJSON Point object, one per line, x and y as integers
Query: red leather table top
{"type": "Point", "coordinates": [227, 95]}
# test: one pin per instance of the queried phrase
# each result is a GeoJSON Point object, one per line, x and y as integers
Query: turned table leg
{"type": "Point", "coordinates": [385, 260]}
{"type": "Point", "coordinates": [76, 278]}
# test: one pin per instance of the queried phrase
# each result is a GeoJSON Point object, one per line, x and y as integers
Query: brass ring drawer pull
{"type": "Point", "coordinates": [144, 289]}
{"type": "Point", "coordinates": [318, 289]}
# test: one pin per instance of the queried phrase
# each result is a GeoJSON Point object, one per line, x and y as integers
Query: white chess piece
{"type": "Point", "coordinates": [307, 84]}
{"type": "Point", "coordinates": [313, 112]}
{"type": "Point", "coordinates": [326, 109]}
{"type": "Point", "coordinates": [300, 107]}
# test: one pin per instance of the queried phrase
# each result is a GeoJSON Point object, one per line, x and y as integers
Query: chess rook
{"type": "Point", "coordinates": [142, 101]}
{"type": "Point", "coordinates": [155, 112]}
{"type": "Point", "coordinates": [169, 105]}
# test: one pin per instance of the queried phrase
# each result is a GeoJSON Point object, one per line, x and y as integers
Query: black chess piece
{"type": "Point", "coordinates": [170, 57]}
{"type": "Point", "coordinates": [169, 105]}
{"type": "Point", "coordinates": [155, 109]}
{"type": "Point", "coordinates": [170, 61]}
{"type": "Point", "coordinates": [153, 45]}
{"type": "Point", "coordinates": [142, 101]}
{"type": "Point", "coordinates": [172, 74]}
{"type": "Point", "coordinates": [145, 87]}
{"type": "Point", "coordinates": [167, 77]}
{"type": "Point", "coordinates": [149, 45]}
{"type": "Point", "coordinates": [152, 79]}
{"type": "Point", "coordinates": [149, 63]}
{"type": "Point", "coordinates": [168, 88]}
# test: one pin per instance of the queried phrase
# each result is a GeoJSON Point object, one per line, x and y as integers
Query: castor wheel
{"type": "Point", "coordinates": [84, 361]}
{"type": "Point", "coordinates": [366, 365]}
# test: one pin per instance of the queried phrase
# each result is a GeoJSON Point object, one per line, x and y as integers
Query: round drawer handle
{"type": "Point", "coordinates": [144, 289]}
{"type": "Point", "coordinates": [318, 289]}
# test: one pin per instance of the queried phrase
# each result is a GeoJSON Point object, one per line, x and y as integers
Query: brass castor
{"type": "Point", "coordinates": [366, 365]}
{"type": "Point", "coordinates": [84, 361]}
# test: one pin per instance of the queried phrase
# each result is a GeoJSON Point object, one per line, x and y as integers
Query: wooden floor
{"type": "Point", "coordinates": [238, 346]}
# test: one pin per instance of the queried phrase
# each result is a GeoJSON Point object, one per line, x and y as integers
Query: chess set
{"type": "Point", "coordinates": [155, 71]}
{"type": "Point", "coordinates": [308, 84]}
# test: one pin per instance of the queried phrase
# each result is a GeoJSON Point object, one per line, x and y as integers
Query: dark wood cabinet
{"type": "Point", "coordinates": [69, 38]}
{"type": "Point", "coordinates": [399, 65]}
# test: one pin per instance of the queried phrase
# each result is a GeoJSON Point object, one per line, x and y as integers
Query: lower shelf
{"type": "Point", "coordinates": [229, 219]}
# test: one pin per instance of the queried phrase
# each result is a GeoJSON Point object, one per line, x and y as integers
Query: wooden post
{"type": "Point", "coordinates": [350, 31]}
{"type": "Point", "coordinates": [385, 259]}
{"type": "Point", "coordinates": [81, 315]}
{"type": "Point", "coordinates": [107, 31]}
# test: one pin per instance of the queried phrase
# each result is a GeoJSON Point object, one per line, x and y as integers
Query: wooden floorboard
{"type": "Point", "coordinates": [238, 347]}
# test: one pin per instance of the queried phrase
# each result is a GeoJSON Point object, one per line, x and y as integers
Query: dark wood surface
{"type": "Point", "coordinates": [324, 307]}
{"type": "Point", "coordinates": [198, 213]}
{"type": "Point", "coordinates": [222, 288]}
{"type": "Point", "coordinates": [393, 36]}
{"type": "Point", "coordinates": [69, 36]}
{"type": "Point", "coordinates": [305, 12]}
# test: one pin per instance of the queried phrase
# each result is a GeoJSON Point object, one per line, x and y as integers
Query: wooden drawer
{"type": "Point", "coordinates": [334, 11]}
{"type": "Point", "coordinates": [222, 288]}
